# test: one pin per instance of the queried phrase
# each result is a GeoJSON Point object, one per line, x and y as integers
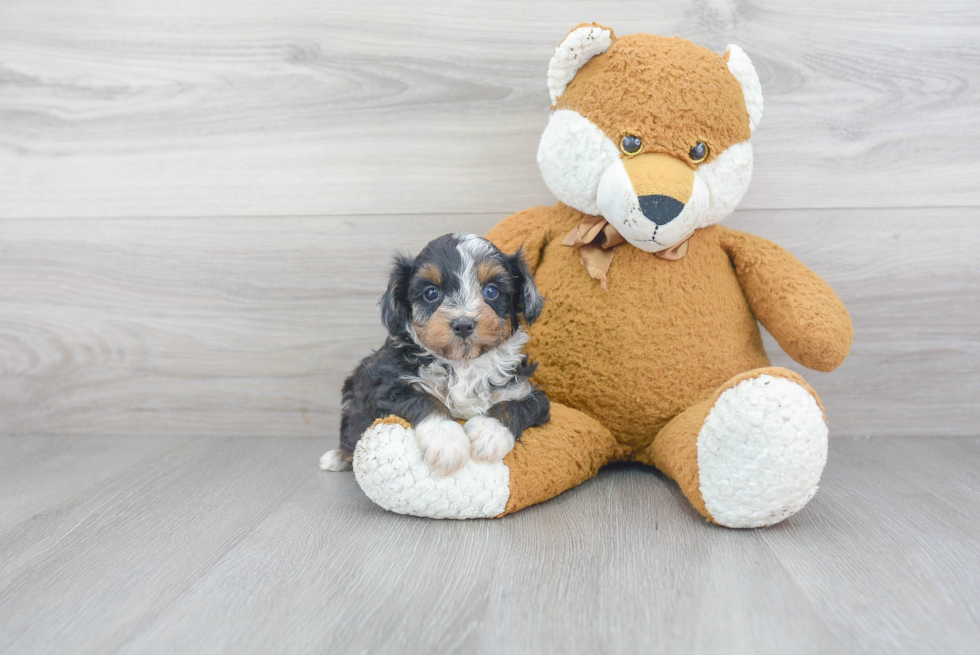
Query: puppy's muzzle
{"type": "Point", "coordinates": [663, 185]}
{"type": "Point", "coordinates": [462, 327]}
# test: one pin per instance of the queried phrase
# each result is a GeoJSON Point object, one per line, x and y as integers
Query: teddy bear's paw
{"type": "Point", "coordinates": [761, 451]}
{"type": "Point", "coordinates": [444, 444]}
{"type": "Point", "coordinates": [490, 440]}
{"type": "Point", "coordinates": [390, 467]}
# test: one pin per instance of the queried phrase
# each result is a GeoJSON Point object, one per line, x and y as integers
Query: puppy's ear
{"type": "Point", "coordinates": [529, 299]}
{"type": "Point", "coordinates": [396, 310]}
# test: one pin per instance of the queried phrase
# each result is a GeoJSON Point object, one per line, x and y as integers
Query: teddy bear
{"type": "Point", "coordinates": [649, 343]}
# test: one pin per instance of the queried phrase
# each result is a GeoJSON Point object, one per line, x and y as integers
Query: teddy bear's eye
{"type": "Point", "coordinates": [699, 152]}
{"type": "Point", "coordinates": [630, 145]}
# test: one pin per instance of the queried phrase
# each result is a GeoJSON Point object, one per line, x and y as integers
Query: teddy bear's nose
{"type": "Point", "coordinates": [663, 185]}
{"type": "Point", "coordinates": [660, 209]}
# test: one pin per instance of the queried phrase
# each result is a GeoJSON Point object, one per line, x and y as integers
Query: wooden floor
{"type": "Point", "coordinates": [241, 545]}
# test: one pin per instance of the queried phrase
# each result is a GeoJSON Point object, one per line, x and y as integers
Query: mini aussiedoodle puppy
{"type": "Point", "coordinates": [454, 351]}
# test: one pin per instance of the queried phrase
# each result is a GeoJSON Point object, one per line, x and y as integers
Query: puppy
{"type": "Point", "coordinates": [454, 350]}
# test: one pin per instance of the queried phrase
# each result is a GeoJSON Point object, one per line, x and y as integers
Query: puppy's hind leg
{"type": "Point", "coordinates": [353, 421]}
{"type": "Point", "coordinates": [337, 460]}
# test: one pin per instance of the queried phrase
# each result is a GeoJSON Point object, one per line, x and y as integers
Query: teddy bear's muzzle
{"type": "Point", "coordinates": [654, 200]}
{"type": "Point", "coordinates": [663, 184]}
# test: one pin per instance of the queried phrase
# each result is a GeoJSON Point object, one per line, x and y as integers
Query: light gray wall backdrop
{"type": "Point", "coordinates": [199, 199]}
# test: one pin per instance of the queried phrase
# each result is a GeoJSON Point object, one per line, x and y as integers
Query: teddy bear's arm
{"type": "Point", "coordinates": [797, 307]}
{"type": "Point", "coordinates": [528, 229]}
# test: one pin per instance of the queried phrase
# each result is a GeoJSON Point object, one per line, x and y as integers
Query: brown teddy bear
{"type": "Point", "coordinates": [649, 346]}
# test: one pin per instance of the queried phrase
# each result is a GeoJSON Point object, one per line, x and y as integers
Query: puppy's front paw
{"type": "Point", "coordinates": [490, 440]}
{"type": "Point", "coordinates": [444, 444]}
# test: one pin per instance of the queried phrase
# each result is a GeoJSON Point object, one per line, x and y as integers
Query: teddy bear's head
{"type": "Point", "coordinates": [651, 133]}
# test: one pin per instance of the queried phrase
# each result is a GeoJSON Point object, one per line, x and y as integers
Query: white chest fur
{"type": "Point", "coordinates": [470, 388]}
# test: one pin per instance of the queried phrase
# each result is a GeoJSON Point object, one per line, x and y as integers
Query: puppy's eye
{"type": "Point", "coordinates": [431, 294]}
{"type": "Point", "coordinates": [699, 152]}
{"type": "Point", "coordinates": [630, 145]}
{"type": "Point", "coordinates": [490, 292]}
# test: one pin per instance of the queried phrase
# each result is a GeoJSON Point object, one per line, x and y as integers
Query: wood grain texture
{"type": "Point", "coordinates": [237, 545]}
{"type": "Point", "coordinates": [249, 326]}
{"type": "Point", "coordinates": [924, 502]}
{"type": "Point", "coordinates": [101, 560]}
{"type": "Point", "coordinates": [58, 467]}
{"type": "Point", "coordinates": [252, 108]}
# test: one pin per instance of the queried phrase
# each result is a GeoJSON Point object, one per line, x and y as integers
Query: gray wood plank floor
{"type": "Point", "coordinates": [145, 545]}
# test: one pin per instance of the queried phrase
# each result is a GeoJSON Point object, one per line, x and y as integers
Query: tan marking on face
{"type": "Point", "coordinates": [431, 273]}
{"type": "Point", "coordinates": [437, 335]}
{"type": "Point", "coordinates": [491, 330]}
{"type": "Point", "coordinates": [660, 174]}
{"type": "Point", "coordinates": [488, 271]}
{"type": "Point", "coordinates": [668, 92]}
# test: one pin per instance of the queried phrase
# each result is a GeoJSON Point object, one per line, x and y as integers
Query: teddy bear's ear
{"type": "Point", "coordinates": [582, 44]}
{"type": "Point", "coordinates": [743, 70]}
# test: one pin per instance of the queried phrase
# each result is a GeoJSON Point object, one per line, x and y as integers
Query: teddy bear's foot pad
{"type": "Point", "coordinates": [761, 451]}
{"type": "Point", "coordinates": [390, 468]}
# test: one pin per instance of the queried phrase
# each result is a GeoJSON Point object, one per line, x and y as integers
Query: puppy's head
{"type": "Point", "coordinates": [461, 297]}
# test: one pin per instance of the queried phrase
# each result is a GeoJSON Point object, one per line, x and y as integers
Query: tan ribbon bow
{"type": "Point", "coordinates": [596, 238]}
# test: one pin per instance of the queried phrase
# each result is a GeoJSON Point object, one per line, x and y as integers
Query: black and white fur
{"type": "Point", "coordinates": [454, 351]}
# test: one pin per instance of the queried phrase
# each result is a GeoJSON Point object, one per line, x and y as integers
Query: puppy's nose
{"type": "Point", "coordinates": [660, 209]}
{"type": "Point", "coordinates": [462, 327]}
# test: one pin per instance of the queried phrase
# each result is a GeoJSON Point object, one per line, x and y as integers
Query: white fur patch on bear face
{"type": "Point", "coordinates": [572, 155]}
{"type": "Point", "coordinates": [727, 179]}
{"type": "Point", "coordinates": [584, 169]}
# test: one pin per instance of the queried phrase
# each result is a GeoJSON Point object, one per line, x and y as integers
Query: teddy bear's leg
{"type": "Point", "coordinates": [548, 460]}
{"type": "Point", "coordinates": [750, 453]}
